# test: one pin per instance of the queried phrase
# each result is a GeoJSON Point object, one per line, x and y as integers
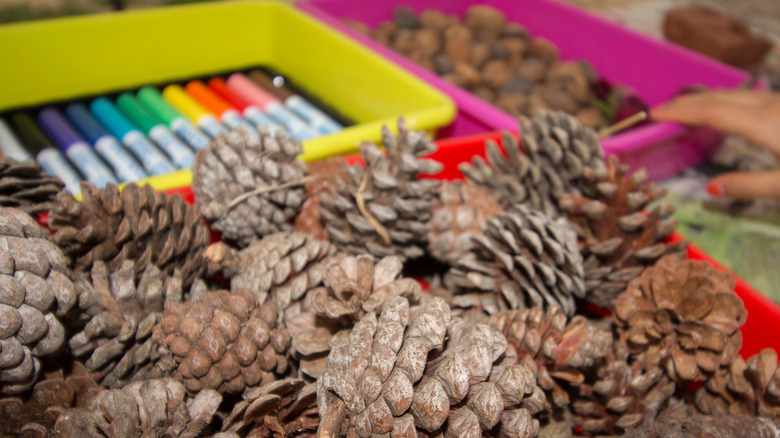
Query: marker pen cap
{"type": "Point", "coordinates": [267, 83]}
{"type": "Point", "coordinates": [139, 116]}
{"type": "Point", "coordinates": [154, 102]}
{"type": "Point", "coordinates": [106, 113]}
{"type": "Point", "coordinates": [215, 104]}
{"type": "Point", "coordinates": [176, 96]}
{"type": "Point", "coordinates": [58, 129]}
{"type": "Point", "coordinates": [79, 116]}
{"type": "Point", "coordinates": [29, 133]}
{"type": "Point", "coordinates": [220, 88]}
{"type": "Point", "coordinates": [10, 145]}
{"type": "Point", "coordinates": [249, 90]}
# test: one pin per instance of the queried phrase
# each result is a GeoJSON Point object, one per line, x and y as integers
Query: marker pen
{"type": "Point", "coordinates": [180, 154]}
{"type": "Point", "coordinates": [49, 157]}
{"type": "Point", "coordinates": [154, 161]}
{"type": "Point", "coordinates": [153, 101]}
{"type": "Point", "coordinates": [255, 100]}
{"type": "Point", "coordinates": [10, 145]}
{"type": "Point", "coordinates": [179, 99]}
{"type": "Point", "coordinates": [75, 148]}
{"type": "Point", "coordinates": [222, 109]}
{"type": "Point", "coordinates": [125, 166]}
{"type": "Point", "coordinates": [313, 115]}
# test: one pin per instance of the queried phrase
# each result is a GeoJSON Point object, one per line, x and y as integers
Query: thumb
{"type": "Point", "coordinates": [751, 185]}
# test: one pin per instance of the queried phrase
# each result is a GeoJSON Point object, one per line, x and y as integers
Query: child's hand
{"type": "Point", "coordinates": [754, 115]}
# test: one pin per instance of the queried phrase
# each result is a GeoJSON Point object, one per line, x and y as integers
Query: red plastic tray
{"type": "Point", "coordinates": [763, 314]}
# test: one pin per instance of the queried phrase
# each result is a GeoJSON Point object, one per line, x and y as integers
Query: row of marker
{"type": "Point", "coordinates": [153, 133]}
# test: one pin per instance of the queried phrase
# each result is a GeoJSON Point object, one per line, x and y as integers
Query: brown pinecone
{"type": "Point", "coordinates": [555, 151]}
{"type": "Point", "coordinates": [281, 409]}
{"type": "Point", "coordinates": [684, 315]}
{"type": "Point", "coordinates": [353, 286]}
{"type": "Point", "coordinates": [751, 388]}
{"type": "Point", "coordinates": [625, 392]}
{"type": "Point", "coordinates": [704, 426]}
{"type": "Point", "coordinates": [557, 350]}
{"type": "Point", "coordinates": [283, 265]}
{"type": "Point", "coordinates": [116, 341]}
{"type": "Point", "coordinates": [24, 185]}
{"type": "Point", "coordinates": [323, 175]}
{"type": "Point", "coordinates": [383, 208]}
{"type": "Point", "coordinates": [239, 162]}
{"type": "Point", "coordinates": [461, 212]}
{"type": "Point", "coordinates": [36, 292]}
{"type": "Point", "coordinates": [618, 238]}
{"type": "Point", "coordinates": [140, 225]}
{"type": "Point", "coordinates": [149, 408]}
{"type": "Point", "coordinates": [522, 260]}
{"type": "Point", "coordinates": [34, 415]}
{"type": "Point", "coordinates": [226, 341]}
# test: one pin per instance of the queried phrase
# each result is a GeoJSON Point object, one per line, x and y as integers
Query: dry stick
{"type": "Point", "coordinates": [623, 124]}
{"type": "Point", "coordinates": [361, 203]}
{"type": "Point", "coordinates": [247, 195]}
{"type": "Point", "coordinates": [330, 426]}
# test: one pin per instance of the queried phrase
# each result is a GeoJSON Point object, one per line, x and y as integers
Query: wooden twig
{"type": "Point", "coordinates": [247, 195]}
{"type": "Point", "coordinates": [623, 124]}
{"type": "Point", "coordinates": [361, 203]}
{"type": "Point", "coordinates": [330, 426]}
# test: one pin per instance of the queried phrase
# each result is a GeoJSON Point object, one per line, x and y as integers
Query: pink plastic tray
{"type": "Point", "coordinates": [656, 70]}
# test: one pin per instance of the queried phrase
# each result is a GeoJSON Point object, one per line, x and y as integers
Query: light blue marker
{"type": "Point", "coordinates": [125, 166]}
{"type": "Point", "coordinates": [154, 161]}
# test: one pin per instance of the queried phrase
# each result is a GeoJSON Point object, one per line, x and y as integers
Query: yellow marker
{"type": "Point", "coordinates": [179, 99]}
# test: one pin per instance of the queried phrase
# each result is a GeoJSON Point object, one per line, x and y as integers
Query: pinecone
{"type": "Point", "coordinates": [556, 349]}
{"type": "Point", "coordinates": [36, 292]}
{"type": "Point", "coordinates": [684, 315]}
{"type": "Point", "coordinates": [281, 409]}
{"type": "Point", "coordinates": [460, 213]}
{"type": "Point", "coordinates": [703, 426]}
{"type": "Point", "coordinates": [523, 259]}
{"type": "Point", "coordinates": [625, 392]}
{"type": "Point", "coordinates": [116, 340]}
{"type": "Point", "coordinates": [33, 416]}
{"type": "Point", "coordinates": [558, 149]}
{"type": "Point", "coordinates": [324, 175]}
{"type": "Point", "coordinates": [226, 341]}
{"type": "Point", "coordinates": [238, 163]}
{"type": "Point", "coordinates": [619, 239]}
{"type": "Point", "coordinates": [140, 225]}
{"type": "Point", "coordinates": [149, 408]}
{"type": "Point", "coordinates": [383, 208]}
{"type": "Point", "coordinates": [25, 186]}
{"type": "Point", "coordinates": [751, 388]}
{"type": "Point", "coordinates": [282, 265]}
{"type": "Point", "coordinates": [353, 286]}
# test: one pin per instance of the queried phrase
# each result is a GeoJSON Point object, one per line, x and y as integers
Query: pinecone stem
{"type": "Point", "coordinates": [239, 199]}
{"type": "Point", "coordinates": [330, 426]}
{"type": "Point", "coordinates": [361, 204]}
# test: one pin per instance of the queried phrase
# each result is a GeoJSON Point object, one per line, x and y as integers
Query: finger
{"type": "Point", "coordinates": [742, 97]}
{"type": "Point", "coordinates": [752, 185]}
{"type": "Point", "coordinates": [706, 111]}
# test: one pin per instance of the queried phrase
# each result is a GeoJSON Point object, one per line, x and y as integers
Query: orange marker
{"type": "Point", "coordinates": [218, 106]}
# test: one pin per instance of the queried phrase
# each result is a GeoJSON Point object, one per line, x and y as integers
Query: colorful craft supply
{"type": "Point", "coordinates": [50, 158]}
{"type": "Point", "coordinates": [223, 109]}
{"type": "Point", "coordinates": [179, 99]}
{"type": "Point", "coordinates": [126, 167]}
{"type": "Point", "coordinates": [10, 145]}
{"type": "Point", "coordinates": [153, 101]}
{"type": "Point", "coordinates": [154, 161]}
{"type": "Point", "coordinates": [179, 153]}
{"type": "Point", "coordinates": [313, 115]}
{"type": "Point", "coordinates": [78, 151]}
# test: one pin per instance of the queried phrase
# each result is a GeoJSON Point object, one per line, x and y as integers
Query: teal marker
{"type": "Point", "coordinates": [152, 100]}
{"type": "Point", "coordinates": [154, 161]}
{"type": "Point", "coordinates": [180, 154]}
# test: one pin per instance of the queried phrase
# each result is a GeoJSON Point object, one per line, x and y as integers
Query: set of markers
{"type": "Point", "coordinates": [151, 133]}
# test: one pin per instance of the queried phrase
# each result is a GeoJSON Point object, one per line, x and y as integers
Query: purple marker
{"type": "Point", "coordinates": [75, 148]}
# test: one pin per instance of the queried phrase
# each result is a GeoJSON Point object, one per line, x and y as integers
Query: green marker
{"type": "Point", "coordinates": [180, 154]}
{"type": "Point", "coordinates": [153, 101]}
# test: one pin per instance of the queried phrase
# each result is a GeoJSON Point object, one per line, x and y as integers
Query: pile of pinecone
{"type": "Point", "coordinates": [122, 319]}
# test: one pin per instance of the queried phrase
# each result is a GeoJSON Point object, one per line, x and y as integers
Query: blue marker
{"type": "Point", "coordinates": [125, 165]}
{"type": "Point", "coordinates": [10, 145]}
{"type": "Point", "coordinates": [154, 161]}
{"type": "Point", "coordinates": [50, 158]}
{"type": "Point", "coordinates": [75, 148]}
